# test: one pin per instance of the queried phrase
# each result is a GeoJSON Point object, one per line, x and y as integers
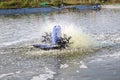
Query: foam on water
{"type": "Point", "coordinates": [114, 55]}
{"type": "Point", "coordinates": [63, 66]}
{"type": "Point", "coordinates": [106, 57]}
{"type": "Point", "coordinates": [82, 65]}
{"type": "Point", "coordinates": [9, 74]}
{"type": "Point", "coordinates": [48, 75]}
{"type": "Point", "coordinates": [11, 43]}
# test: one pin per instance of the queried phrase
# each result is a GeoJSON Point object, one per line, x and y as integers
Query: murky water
{"type": "Point", "coordinates": [94, 55]}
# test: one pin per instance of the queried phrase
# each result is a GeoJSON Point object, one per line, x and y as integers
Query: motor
{"type": "Point", "coordinates": [54, 40]}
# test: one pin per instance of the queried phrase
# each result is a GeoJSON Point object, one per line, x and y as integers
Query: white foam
{"type": "Point", "coordinates": [77, 71]}
{"type": "Point", "coordinates": [8, 74]}
{"type": "Point", "coordinates": [49, 71]}
{"type": "Point", "coordinates": [82, 65]}
{"type": "Point", "coordinates": [106, 57]}
{"type": "Point", "coordinates": [114, 55]}
{"type": "Point", "coordinates": [63, 66]}
{"type": "Point", "coordinates": [48, 75]}
{"type": "Point", "coordinates": [43, 77]}
{"type": "Point", "coordinates": [17, 72]}
{"type": "Point", "coordinates": [13, 42]}
{"type": "Point", "coordinates": [98, 60]}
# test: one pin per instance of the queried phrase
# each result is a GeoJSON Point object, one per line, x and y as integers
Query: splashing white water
{"type": "Point", "coordinates": [63, 66]}
{"type": "Point", "coordinates": [82, 65]}
{"type": "Point", "coordinates": [79, 38]}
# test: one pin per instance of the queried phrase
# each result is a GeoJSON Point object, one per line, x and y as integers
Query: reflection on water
{"type": "Point", "coordinates": [93, 56]}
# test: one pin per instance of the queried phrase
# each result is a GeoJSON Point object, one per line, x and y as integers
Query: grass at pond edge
{"type": "Point", "coordinates": [27, 4]}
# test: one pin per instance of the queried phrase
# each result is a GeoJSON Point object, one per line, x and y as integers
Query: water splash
{"type": "Point", "coordinates": [79, 38]}
{"type": "Point", "coordinates": [70, 28]}
{"type": "Point", "coordinates": [63, 66]}
{"type": "Point", "coordinates": [82, 65]}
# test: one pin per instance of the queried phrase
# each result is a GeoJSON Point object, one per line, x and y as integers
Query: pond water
{"type": "Point", "coordinates": [94, 54]}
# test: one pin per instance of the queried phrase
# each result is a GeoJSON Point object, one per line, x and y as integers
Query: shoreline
{"type": "Point", "coordinates": [25, 10]}
{"type": "Point", "coordinates": [46, 9]}
{"type": "Point", "coordinates": [117, 6]}
{"type": "Point", "coordinates": [52, 9]}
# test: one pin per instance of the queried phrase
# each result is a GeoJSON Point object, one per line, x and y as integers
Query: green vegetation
{"type": "Point", "coordinates": [22, 3]}
{"type": "Point", "coordinates": [19, 3]}
{"type": "Point", "coordinates": [5, 4]}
